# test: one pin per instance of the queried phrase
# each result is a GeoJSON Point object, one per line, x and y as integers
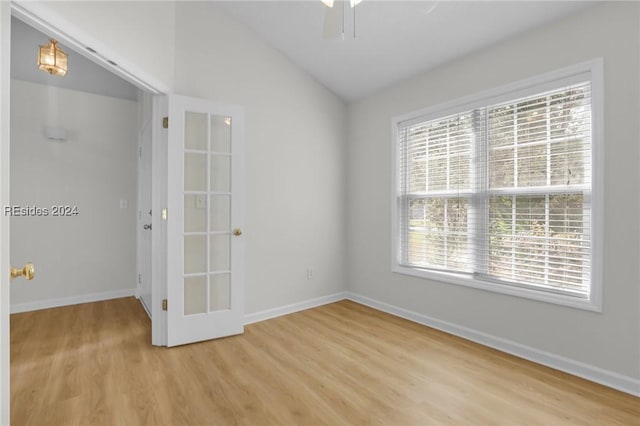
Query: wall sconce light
{"type": "Point", "coordinates": [55, 133]}
{"type": "Point", "coordinates": [52, 59]}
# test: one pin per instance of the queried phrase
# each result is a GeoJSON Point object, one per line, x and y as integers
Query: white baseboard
{"type": "Point", "coordinates": [595, 374]}
{"type": "Point", "coordinates": [294, 307]}
{"type": "Point", "coordinates": [72, 300]}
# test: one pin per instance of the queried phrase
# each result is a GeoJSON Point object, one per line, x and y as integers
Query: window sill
{"type": "Point", "coordinates": [527, 293]}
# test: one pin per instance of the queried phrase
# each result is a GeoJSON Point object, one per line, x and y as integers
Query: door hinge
{"type": "Point", "coordinates": [139, 278]}
{"type": "Point", "coordinates": [165, 122]}
{"type": "Point", "coordinates": [165, 214]}
{"type": "Point", "coordinates": [164, 304]}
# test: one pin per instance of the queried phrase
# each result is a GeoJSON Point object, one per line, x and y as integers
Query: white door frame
{"type": "Point", "coordinates": [5, 82]}
{"type": "Point", "coordinates": [41, 17]}
{"type": "Point", "coordinates": [159, 179]}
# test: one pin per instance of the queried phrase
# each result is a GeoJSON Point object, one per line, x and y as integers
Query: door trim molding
{"type": "Point", "coordinates": [159, 141]}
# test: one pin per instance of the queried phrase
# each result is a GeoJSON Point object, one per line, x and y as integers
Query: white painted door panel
{"type": "Point", "coordinates": [205, 256]}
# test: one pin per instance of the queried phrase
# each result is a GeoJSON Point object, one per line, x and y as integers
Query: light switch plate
{"type": "Point", "coordinates": [201, 201]}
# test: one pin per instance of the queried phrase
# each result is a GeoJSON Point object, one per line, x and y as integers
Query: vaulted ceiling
{"type": "Point", "coordinates": [394, 39]}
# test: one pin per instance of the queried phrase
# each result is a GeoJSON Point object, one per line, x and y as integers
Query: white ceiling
{"type": "Point", "coordinates": [394, 39]}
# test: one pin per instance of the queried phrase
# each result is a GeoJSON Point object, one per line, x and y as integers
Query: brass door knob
{"type": "Point", "coordinates": [237, 232]}
{"type": "Point", "coordinates": [27, 271]}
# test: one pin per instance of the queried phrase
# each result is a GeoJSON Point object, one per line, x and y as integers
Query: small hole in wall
{"type": "Point", "coordinates": [91, 50]}
{"type": "Point", "coordinates": [112, 63]}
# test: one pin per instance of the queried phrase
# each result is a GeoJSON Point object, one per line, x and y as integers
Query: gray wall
{"type": "Point", "coordinates": [295, 155]}
{"type": "Point", "coordinates": [609, 340]}
{"type": "Point", "coordinates": [95, 251]}
{"type": "Point", "coordinates": [295, 136]}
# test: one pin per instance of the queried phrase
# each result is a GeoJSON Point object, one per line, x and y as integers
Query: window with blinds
{"type": "Point", "coordinates": [500, 192]}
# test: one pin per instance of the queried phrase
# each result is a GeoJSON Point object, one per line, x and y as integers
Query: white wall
{"type": "Point", "coordinates": [95, 251]}
{"type": "Point", "coordinates": [295, 155]}
{"type": "Point", "coordinates": [609, 340]}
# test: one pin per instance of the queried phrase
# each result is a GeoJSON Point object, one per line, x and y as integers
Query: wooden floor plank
{"type": "Point", "coordinates": [343, 363]}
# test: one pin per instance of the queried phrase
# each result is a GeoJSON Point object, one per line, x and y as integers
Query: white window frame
{"type": "Point", "coordinates": [531, 86]}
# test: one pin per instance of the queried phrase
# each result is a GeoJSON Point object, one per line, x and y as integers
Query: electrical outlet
{"type": "Point", "coordinates": [309, 273]}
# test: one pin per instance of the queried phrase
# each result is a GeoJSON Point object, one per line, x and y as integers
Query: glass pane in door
{"type": "Point", "coordinates": [195, 210]}
{"type": "Point", "coordinates": [220, 253]}
{"type": "Point", "coordinates": [195, 254]}
{"type": "Point", "coordinates": [195, 172]}
{"type": "Point", "coordinates": [220, 292]}
{"type": "Point", "coordinates": [195, 295]}
{"type": "Point", "coordinates": [220, 213]}
{"type": "Point", "coordinates": [220, 134]}
{"type": "Point", "coordinates": [220, 173]}
{"type": "Point", "coordinates": [195, 131]}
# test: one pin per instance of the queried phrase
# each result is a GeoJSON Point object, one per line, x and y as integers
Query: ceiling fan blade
{"type": "Point", "coordinates": [333, 22]}
{"type": "Point", "coordinates": [430, 8]}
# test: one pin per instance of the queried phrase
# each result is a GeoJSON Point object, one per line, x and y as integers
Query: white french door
{"type": "Point", "coordinates": [205, 297]}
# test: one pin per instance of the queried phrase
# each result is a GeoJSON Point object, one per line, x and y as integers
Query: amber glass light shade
{"type": "Point", "coordinates": [52, 59]}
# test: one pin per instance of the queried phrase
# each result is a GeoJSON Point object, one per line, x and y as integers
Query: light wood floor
{"type": "Point", "coordinates": [338, 364]}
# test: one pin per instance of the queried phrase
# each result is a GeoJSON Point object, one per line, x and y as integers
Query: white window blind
{"type": "Point", "coordinates": [436, 169]}
{"type": "Point", "coordinates": [501, 192]}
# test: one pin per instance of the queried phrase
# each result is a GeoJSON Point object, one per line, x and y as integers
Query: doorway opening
{"type": "Point", "coordinates": [196, 179]}
{"type": "Point", "coordinates": [80, 180]}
